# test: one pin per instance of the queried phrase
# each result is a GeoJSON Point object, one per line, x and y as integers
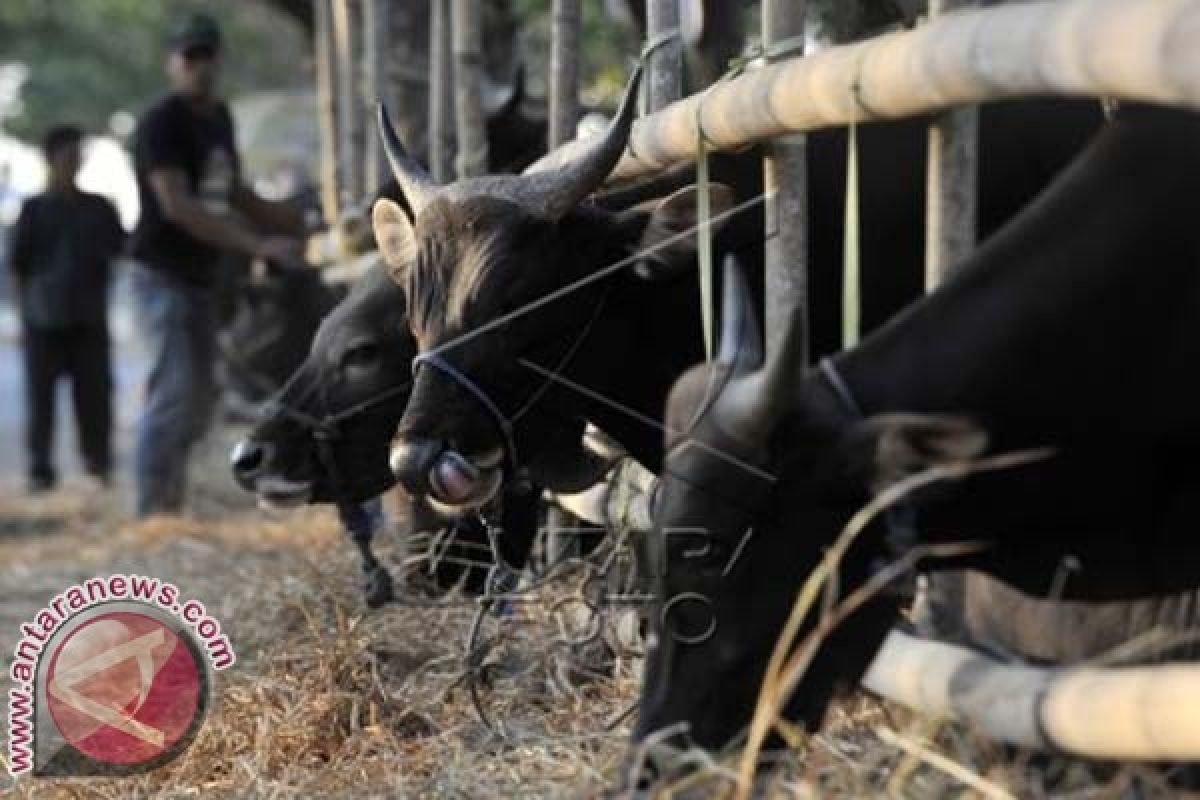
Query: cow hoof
{"type": "Point", "coordinates": [378, 588]}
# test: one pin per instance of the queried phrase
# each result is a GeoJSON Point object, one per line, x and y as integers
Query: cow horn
{"type": "Point", "coordinates": [500, 99]}
{"type": "Point", "coordinates": [555, 192]}
{"type": "Point", "coordinates": [753, 402]}
{"type": "Point", "coordinates": [418, 187]}
{"type": "Point", "coordinates": [741, 342]}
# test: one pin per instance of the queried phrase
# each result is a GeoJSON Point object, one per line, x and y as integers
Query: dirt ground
{"type": "Point", "coordinates": [330, 699]}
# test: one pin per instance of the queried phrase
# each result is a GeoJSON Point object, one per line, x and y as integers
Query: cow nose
{"type": "Point", "coordinates": [249, 459]}
{"type": "Point", "coordinates": [411, 460]}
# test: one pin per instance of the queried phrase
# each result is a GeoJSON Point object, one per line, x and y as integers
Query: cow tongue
{"type": "Point", "coordinates": [455, 478]}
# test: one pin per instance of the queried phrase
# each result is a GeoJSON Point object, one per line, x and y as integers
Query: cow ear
{"type": "Point", "coordinates": [669, 236]}
{"type": "Point", "coordinates": [396, 237]}
{"type": "Point", "coordinates": [884, 449]}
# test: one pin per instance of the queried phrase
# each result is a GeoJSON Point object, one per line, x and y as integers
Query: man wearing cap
{"type": "Point", "coordinates": [194, 205]}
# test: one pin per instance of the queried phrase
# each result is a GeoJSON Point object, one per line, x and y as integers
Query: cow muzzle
{"type": "Point", "coordinates": [452, 481]}
{"type": "Point", "coordinates": [254, 469]}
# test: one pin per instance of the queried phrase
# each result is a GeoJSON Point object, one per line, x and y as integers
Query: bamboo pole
{"type": "Point", "coordinates": [470, 125]}
{"type": "Point", "coordinates": [566, 24]}
{"type": "Point", "coordinates": [1106, 48]}
{"type": "Point", "coordinates": [326, 109]}
{"type": "Point", "coordinates": [441, 93]}
{"type": "Point", "coordinates": [374, 26]}
{"type": "Point", "coordinates": [1128, 713]}
{"type": "Point", "coordinates": [349, 110]}
{"type": "Point", "coordinates": [786, 207]}
{"type": "Point", "coordinates": [950, 194]}
{"type": "Point", "coordinates": [664, 74]}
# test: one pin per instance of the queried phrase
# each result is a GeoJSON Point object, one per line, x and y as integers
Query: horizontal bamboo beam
{"type": "Point", "coordinates": [1131, 713]}
{"type": "Point", "coordinates": [1105, 48]}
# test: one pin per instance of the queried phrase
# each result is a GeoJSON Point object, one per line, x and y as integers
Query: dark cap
{"type": "Point", "coordinates": [197, 30]}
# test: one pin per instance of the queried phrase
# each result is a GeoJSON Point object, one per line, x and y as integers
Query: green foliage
{"type": "Point", "coordinates": [87, 59]}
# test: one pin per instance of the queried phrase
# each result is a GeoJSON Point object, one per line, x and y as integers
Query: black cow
{"type": "Point", "coordinates": [272, 327]}
{"type": "Point", "coordinates": [507, 375]}
{"type": "Point", "coordinates": [324, 437]}
{"type": "Point", "coordinates": [1074, 328]}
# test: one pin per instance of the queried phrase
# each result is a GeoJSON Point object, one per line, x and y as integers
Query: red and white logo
{"type": "Point", "coordinates": [123, 687]}
{"type": "Point", "coordinates": [111, 677]}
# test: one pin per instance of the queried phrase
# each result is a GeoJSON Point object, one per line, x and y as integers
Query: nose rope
{"type": "Point", "coordinates": [506, 424]}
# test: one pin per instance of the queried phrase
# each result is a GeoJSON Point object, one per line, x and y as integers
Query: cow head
{"type": "Point", "coordinates": [352, 389]}
{"type": "Point", "coordinates": [761, 473]}
{"type": "Point", "coordinates": [482, 263]}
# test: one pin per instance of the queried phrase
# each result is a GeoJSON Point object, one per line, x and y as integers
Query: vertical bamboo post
{"type": "Point", "coordinates": [441, 93]}
{"type": "Point", "coordinates": [664, 76]}
{"type": "Point", "coordinates": [326, 109]}
{"type": "Point", "coordinates": [950, 212]}
{"type": "Point", "coordinates": [565, 26]}
{"type": "Point", "coordinates": [786, 207]}
{"type": "Point", "coordinates": [467, 23]}
{"type": "Point", "coordinates": [348, 109]}
{"type": "Point", "coordinates": [952, 177]}
{"type": "Point", "coordinates": [374, 26]}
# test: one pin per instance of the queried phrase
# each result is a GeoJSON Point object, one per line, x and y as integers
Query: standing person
{"type": "Point", "coordinates": [62, 246]}
{"type": "Point", "coordinates": [194, 205]}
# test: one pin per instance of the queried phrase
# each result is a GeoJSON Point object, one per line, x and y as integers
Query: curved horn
{"type": "Point", "coordinates": [419, 189]}
{"type": "Point", "coordinates": [751, 404]}
{"type": "Point", "coordinates": [555, 192]}
{"type": "Point", "coordinates": [501, 99]}
{"type": "Point", "coordinates": [741, 342]}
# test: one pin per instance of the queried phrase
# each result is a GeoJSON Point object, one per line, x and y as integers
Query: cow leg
{"type": "Point", "coordinates": [361, 522]}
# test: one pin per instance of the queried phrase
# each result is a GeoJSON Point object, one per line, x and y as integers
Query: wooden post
{"type": "Point", "coordinates": [950, 213]}
{"type": "Point", "coordinates": [786, 206]}
{"type": "Point", "coordinates": [664, 75]}
{"type": "Point", "coordinates": [375, 27]}
{"type": "Point", "coordinates": [348, 107]}
{"type": "Point", "coordinates": [565, 27]}
{"type": "Point", "coordinates": [950, 193]}
{"type": "Point", "coordinates": [326, 109]}
{"type": "Point", "coordinates": [471, 127]}
{"type": "Point", "coordinates": [441, 93]}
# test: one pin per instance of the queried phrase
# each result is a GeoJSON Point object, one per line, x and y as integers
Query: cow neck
{"type": "Point", "coordinates": [626, 367]}
{"type": "Point", "coordinates": [1071, 314]}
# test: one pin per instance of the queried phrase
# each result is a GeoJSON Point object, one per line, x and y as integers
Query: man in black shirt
{"type": "Point", "coordinates": [194, 205]}
{"type": "Point", "coordinates": [62, 244]}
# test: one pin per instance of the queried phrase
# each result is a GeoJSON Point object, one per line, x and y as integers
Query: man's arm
{"type": "Point", "coordinates": [281, 218]}
{"type": "Point", "coordinates": [183, 208]}
{"type": "Point", "coordinates": [20, 251]}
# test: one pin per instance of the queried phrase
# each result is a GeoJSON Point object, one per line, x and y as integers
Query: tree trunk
{"type": "Point", "coordinates": [566, 25]}
{"type": "Point", "coordinates": [406, 74]}
{"type": "Point", "coordinates": [468, 88]}
{"type": "Point", "coordinates": [326, 109]}
{"type": "Point", "coordinates": [441, 93]}
{"type": "Point", "coordinates": [375, 14]}
{"type": "Point", "coordinates": [349, 106]}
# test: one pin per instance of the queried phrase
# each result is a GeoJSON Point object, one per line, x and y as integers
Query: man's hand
{"type": "Point", "coordinates": [282, 250]}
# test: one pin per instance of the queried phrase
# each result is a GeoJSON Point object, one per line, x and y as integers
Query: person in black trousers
{"type": "Point", "coordinates": [62, 247]}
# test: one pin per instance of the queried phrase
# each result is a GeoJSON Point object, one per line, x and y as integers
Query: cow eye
{"type": "Point", "coordinates": [365, 354]}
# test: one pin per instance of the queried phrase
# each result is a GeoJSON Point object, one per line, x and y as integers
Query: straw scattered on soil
{"type": "Point", "coordinates": [329, 699]}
